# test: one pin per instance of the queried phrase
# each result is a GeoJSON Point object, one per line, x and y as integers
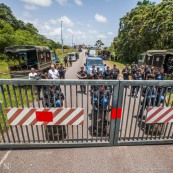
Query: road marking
{"type": "Point", "coordinates": [5, 157]}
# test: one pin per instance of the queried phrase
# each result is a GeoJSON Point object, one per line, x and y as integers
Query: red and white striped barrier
{"type": "Point", "coordinates": [42, 116]}
{"type": "Point", "coordinates": [159, 115]}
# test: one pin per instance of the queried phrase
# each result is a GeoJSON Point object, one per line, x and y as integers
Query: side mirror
{"type": "Point", "coordinates": [84, 64]}
{"type": "Point", "coordinates": [104, 64]}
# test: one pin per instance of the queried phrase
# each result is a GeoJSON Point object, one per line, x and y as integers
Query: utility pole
{"type": "Point", "coordinates": [62, 40]}
{"type": "Point", "coordinates": [72, 41]}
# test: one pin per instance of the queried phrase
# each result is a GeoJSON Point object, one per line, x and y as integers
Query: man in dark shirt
{"type": "Point", "coordinates": [98, 73]}
{"type": "Point", "coordinates": [82, 75]}
{"type": "Point", "coordinates": [107, 74]}
{"type": "Point", "coordinates": [135, 89]}
{"type": "Point", "coordinates": [115, 73]}
{"type": "Point", "coordinates": [66, 61]}
{"type": "Point", "coordinates": [53, 97]}
{"type": "Point", "coordinates": [92, 75]}
{"type": "Point", "coordinates": [126, 72]}
{"type": "Point", "coordinates": [100, 101]}
{"type": "Point", "coordinates": [62, 71]}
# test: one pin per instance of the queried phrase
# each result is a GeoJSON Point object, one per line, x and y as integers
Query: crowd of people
{"type": "Point", "coordinates": [101, 95]}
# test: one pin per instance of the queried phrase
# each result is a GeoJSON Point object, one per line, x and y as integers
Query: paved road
{"type": "Point", "coordinates": [113, 159]}
{"type": "Point", "coordinates": [137, 159]}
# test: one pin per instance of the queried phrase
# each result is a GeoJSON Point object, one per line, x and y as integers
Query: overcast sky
{"type": "Point", "coordinates": [84, 20]}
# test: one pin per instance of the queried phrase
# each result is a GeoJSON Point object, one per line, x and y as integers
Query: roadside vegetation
{"type": "Point", "coordinates": [147, 26]}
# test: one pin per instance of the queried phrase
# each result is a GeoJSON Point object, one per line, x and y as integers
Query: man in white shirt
{"type": "Point", "coordinates": [33, 74]}
{"type": "Point", "coordinates": [53, 73]}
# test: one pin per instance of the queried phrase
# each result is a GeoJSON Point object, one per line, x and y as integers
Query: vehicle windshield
{"type": "Point", "coordinates": [70, 54]}
{"type": "Point", "coordinates": [95, 62]}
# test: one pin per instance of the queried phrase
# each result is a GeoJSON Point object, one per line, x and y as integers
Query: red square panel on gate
{"type": "Point", "coordinates": [44, 116]}
{"type": "Point", "coordinates": [116, 113]}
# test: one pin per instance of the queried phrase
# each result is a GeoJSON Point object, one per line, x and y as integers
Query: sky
{"type": "Point", "coordinates": [83, 21]}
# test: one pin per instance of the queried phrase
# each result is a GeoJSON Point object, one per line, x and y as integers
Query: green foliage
{"type": "Point", "coordinates": [99, 44]}
{"type": "Point", "coordinates": [16, 32]}
{"type": "Point", "coordinates": [148, 26]}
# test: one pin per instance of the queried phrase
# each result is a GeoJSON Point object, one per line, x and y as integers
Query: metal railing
{"type": "Point", "coordinates": [135, 97]}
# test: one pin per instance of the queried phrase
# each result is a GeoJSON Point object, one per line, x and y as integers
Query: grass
{"type": "Point", "coordinates": [4, 72]}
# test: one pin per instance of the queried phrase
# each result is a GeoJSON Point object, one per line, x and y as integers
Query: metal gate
{"type": "Point", "coordinates": [147, 113]}
{"type": "Point", "coordinates": [29, 118]}
{"type": "Point", "coordinates": [26, 120]}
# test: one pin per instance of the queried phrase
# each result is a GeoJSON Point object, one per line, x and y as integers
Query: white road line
{"type": "Point", "coordinates": [5, 157]}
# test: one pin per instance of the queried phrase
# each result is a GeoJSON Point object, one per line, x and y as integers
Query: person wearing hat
{"type": "Point", "coordinates": [107, 74]}
{"type": "Point", "coordinates": [135, 89]}
{"type": "Point", "coordinates": [62, 71]}
{"type": "Point", "coordinates": [115, 73]}
{"type": "Point", "coordinates": [92, 75]}
{"type": "Point", "coordinates": [53, 97]}
{"type": "Point", "coordinates": [98, 74]}
{"type": "Point", "coordinates": [133, 70]}
{"type": "Point", "coordinates": [126, 72]}
{"type": "Point", "coordinates": [82, 74]}
{"type": "Point", "coordinates": [100, 101]}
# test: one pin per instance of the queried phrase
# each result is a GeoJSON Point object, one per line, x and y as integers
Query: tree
{"type": "Point", "coordinates": [99, 44]}
{"type": "Point", "coordinates": [6, 35]}
{"type": "Point", "coordinates": [147, 26]}
{"type": "Point", "coordinates": [16, 32]}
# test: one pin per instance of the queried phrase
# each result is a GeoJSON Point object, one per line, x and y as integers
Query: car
{"type": "Point", "coordinates": [92, 51]}
{"type": "Point", "coordinates": [79, 50]}
{"type": "Point", "coordinates": [97, 61]}
{"type": "Point", "coordinates": [73, 56]}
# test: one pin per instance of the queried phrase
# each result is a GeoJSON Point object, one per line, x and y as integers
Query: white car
{"type": "Point", "coordinates": [73, 56]}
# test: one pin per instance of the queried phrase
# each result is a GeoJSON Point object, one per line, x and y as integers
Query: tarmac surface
{"type": "Point", "coordinates": [133, 159]}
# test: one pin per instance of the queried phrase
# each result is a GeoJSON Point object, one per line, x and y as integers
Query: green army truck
{"type": "Point", "coordinates": [21, 59]}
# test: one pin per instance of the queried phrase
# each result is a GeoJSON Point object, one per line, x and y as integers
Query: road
{"type": "Point", "coordinates": [138, 159]}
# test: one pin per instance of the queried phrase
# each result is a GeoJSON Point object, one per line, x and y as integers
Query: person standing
{"type": "Point", "coordinates": [107, 74]}
{"type": "Point", "coordinates": [135, 89]}
{"type": "Point", "coordinates": [115, 72]}
{"type": "Point", "coordinates": [92, 75]}
{"type": "Point", "coordinates": [82, 75]}
{"type": "Point", "coordinates": [126, 72]}
{"type": "Point", "coordinates": [32, 74]}
{"type": "Point", "coordinates": [66, 61]}
{"type": "Point", "coordinates": [62, 71]}
{"type": "Point", "coordinates": [70, 61]}
{"type": "Point", "coordinates": [53, 73]}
